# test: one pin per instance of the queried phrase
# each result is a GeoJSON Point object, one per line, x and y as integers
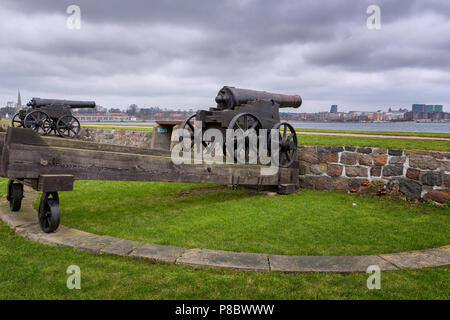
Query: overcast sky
{"type": "Point", "coordinates": [178, 54]}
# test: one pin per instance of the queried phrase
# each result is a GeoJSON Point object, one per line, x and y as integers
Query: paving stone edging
{"type": "Point", "coordinates": [25, 224]}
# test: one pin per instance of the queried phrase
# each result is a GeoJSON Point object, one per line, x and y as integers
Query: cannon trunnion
{"type": "Point", "coordinates": [48, 116]}
{"type": "Point", "coordinates": [249, 110]}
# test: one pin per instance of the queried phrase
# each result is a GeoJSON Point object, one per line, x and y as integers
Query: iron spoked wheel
{"type": "Point", "coordinates": [287, 144]}
{"type": "Point", "coordinates": [187, 129]}
{"type": "Point", "coordinates": [39, 121]}
{"type": "Point", "coordinates": [14, 195]}
{"type": "Point", "coordinates": [16, 122]}
{"type": "Point", "coordinates": [49, 212]}
{"type": "Point", "coordinates": [249, 124]}
{"type": "Point", "coordinates": [68, 126]}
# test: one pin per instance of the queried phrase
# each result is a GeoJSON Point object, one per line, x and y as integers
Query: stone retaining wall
{"type": "Point", "coordinates": [417, 173]}
{"type": "Point", "coordinates": [142, 139]}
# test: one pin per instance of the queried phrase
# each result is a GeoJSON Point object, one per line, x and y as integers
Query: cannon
{"type": "Point", "coordinates": [47, 116]}
{"type": "Point", "coordinates": [246, 110]}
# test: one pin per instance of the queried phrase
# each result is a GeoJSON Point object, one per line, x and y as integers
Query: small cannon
{"type": "Point", "coordinates": [249, 110]}
{"type": "Point", "coordinates": [48, 116]}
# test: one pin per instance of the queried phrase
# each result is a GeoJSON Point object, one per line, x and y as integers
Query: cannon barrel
{"type": "Point", "coordinates": [74, 104]}
{"type": "Point", "coordinates": [229, 97]}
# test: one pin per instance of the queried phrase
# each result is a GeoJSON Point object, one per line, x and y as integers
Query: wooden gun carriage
{"type": "Point", "coordinates": [48, 116]}
{"type": "Point", "coordinates": [247, 110]}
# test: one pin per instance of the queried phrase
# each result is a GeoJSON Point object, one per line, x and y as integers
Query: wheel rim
{"type": "Point", "coordinates": [49, 212]}
{"type": "Point", "coordinates": [38, 121]}
{"type": "Point", "coordinates": [247, 123]}
{"type": "Point", "coordinates": [16, 122]}
{"type": "Point", "coordinates": [68, 126]}
{"type": "Point", "coordinates": [287, 144]}
{"type": "Point", "coordinates": [189, 127]}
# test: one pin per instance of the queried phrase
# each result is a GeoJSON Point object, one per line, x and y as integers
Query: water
{"type": "Point", "coordinates": [377, 126]}
{"type": "Point", "coordinates": [356, 126]}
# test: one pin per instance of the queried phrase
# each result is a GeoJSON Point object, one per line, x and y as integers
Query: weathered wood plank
{"type": "Point", "coordinates": [31, 161]}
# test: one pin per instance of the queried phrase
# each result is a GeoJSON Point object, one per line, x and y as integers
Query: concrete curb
{"type": "Point", "coordinates": [25, 224]}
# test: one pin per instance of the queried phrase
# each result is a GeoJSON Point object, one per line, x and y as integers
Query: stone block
{"type": "Point", "coordinates": [379, 160]}
{"type": "Point", "coordinates": [308, 154]}
{"type": "Point", "coordinates": [392, 152]}
{"type": "Point", "coordinates": [349, 158]}
{"type": "Point", "coordinates": [423, 162]}
{"type": "Point", "coordinates": [392, 170]}
{"type": "Point", "coordinates": [224, 259]}
{"type": "Point", "coordinates": [447, 180]}
{"type": "Point", "coordinates": [334, 170]}
{"type": "Point", "coordinates": [431, 179]}
{"type": "Point", "coordinates": [356, 171]}
{"type": "Point", "coordinates": [323, 183]}
{"type": "Point", "coordinates": [365, 160]}
{"type": "Point", "coordinates": [375, 171]}
{"type": "Point", "coordinates": [348, 148]}
{"type": "Point", "coordinates": [397, 160]}
{"type": "Point", "coordinates": [379, 151]}
{"type": "Point", "coordinates": [328, 157]}
{"type": "Point", "coordinates": [413, 173]}
{"type": "Point", "coordinates": [438, 196]}
{"type": "Point", "coordinates": [158, 253]}
{"type": "Point", "coordinates": [364, 150]}
{"type": "Point", "coordinates": [419, 259]}
{"type": "Point", "coordinates": [341, 264]}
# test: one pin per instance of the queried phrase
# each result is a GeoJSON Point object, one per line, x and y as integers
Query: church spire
{"type": "Point", "coordinates": [19, 100]}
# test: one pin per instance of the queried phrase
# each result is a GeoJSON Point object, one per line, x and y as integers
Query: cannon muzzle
{"type": "Point", "coordinates": [229, 97]}
{"type": "Point", "coordinates": [38, 102]}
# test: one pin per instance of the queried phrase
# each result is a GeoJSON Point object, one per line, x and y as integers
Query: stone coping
{"type": "Point", "coordinates": [25, 224]}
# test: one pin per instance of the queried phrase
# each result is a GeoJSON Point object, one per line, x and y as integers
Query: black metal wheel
{"type": "Point", "coordinates": [68, 126]}
{"type": "Point", "coordinates": [16, 122]}
{"type": "Point", "coordinates": [49, 211]}
{"type": "Point", "coordinates": [287, 144]}
{"type": "Point", "coordinates": [248, 124]}
{"type": "Point", "coordinates": [187, 129]}
{"type": "Point", "coordinates": [14, 195]}
{"type": "Point", "coordinates": [39, 121]}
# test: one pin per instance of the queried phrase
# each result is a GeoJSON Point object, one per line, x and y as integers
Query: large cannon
{"type": "Point", "coordinates": [248, 110]}
{"type": "Point", "coordinates": [48, 116]}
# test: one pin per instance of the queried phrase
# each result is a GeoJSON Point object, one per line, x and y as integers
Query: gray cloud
{"type": "Point", "coordinates": [179, 53]}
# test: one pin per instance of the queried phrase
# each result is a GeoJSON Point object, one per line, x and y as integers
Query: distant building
{"type": "Point", "coordinates": [418, 108]}
{"type": "Point", "coordinates": [334, 108]}
{"type": "Point", "coordinates": [99, 117]}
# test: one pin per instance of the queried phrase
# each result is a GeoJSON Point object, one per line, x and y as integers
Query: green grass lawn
{"type": "Point", "coordinates": [389, 133]}
{"type": "Point", "coordinates": [214, 217]}
{"type": "Point", "coordinates": [183, 214]}
{"type": "Point", "coordinates": [32, 270]}
{"type": "Point", "coordinates": [391, 143]}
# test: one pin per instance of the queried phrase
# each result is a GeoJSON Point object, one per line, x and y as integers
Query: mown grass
{"type": "Point", "coordinates": [389, 133]}
{"type": "Point", "coordinates": [35, 271]}
{"type": "Point", "coordinates": [391, 143]}
{"type": "Point", "coordinates": [32, 270]}
{"type": "Point", "coordinates": [213, 217]}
